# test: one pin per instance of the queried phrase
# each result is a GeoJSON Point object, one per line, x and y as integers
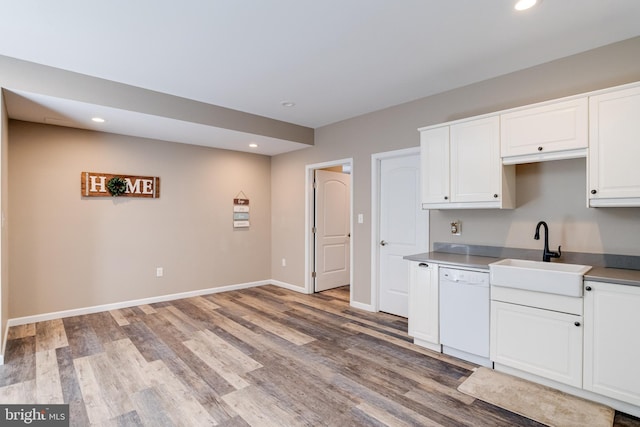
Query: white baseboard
{"type": "Point", "coordinates": [131, 303]}
{"type": "Point", "coordinates": [361, 306]}
{"type": "Point", "coordinates": [289, 286]}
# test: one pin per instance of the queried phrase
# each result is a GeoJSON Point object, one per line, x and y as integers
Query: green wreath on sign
{"type": "Point", "coordinates": [117, 186]}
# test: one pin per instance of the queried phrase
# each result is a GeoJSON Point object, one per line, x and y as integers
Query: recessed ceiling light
{"type": "Point", "coordinates": [98, 119]}
{"type": "Point", "coordinates": [253, 145]}
{"type": "Point", "coordinates": [288, 104]}
{"type": "Point", "coordinates": [525, 4]}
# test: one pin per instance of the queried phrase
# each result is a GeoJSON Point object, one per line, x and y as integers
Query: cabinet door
{"type": "Point", "coordinates": [434, 157]}
{"type": "Point", "coordinates": [614, 148]}
{"type": "Point", "coordinates": [550, 128]}
{"type": "Point", "coordinates": [541, 342]}
{"type": "Point", "coordinates": [423, 303]}
{"type": "Point", "coordinates": [612, 341]}
{"type": "Point", "coordinates": [476, 167]}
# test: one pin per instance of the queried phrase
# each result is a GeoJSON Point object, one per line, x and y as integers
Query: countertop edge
{"type": "Point", "coordinates": [596, 274]}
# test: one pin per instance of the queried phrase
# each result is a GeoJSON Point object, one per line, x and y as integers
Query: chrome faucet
{"type": "Point", "coordinates": [546, 254]}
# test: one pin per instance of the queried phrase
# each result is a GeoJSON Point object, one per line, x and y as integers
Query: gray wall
{"type": "Point", "coordinates": [68, 252]}
{"type": "Point", "coordinates": [553, 191]}
{"type": "Point", "coordinates": [4, 231]}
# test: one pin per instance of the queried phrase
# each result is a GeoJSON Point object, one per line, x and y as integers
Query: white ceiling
{"type": "Point", "coordinates": [335, 59]}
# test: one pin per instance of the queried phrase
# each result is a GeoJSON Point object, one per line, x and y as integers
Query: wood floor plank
{"type": "Point", "coordinates": [289, 334]}
{"type": "Point", "coordinates": [201, 350]}
{"type": "Point", "coordinates": [68, 379]}
{"type": "Point", "coordinates": [259, 356]}
{"type": "Point", "coordinates": [97, 411]}
{"type": "Point", "coordinates": [150, 408]}
{"type": "Point", "coordinates": [81, 337]}
{"type": "Point", "coordinates": [388, 419]}
{"type": "Point", "coordinates": [20, 362]}
{"type": "Point", "coordinates": [119, 317]}
{"type": "Point", "coordinates": [199, 377]}
{"type": "Point", "coordinates": [408, 345]}
{"type": "Point", "coordinates": [105, 327]}
{"type": "Point", "coordinates": [147, 309]}
{"type": "Point", "coordinates": [50, 335]}
{"type": "Point", "coordinates": [175, 317]}
{"type": "Point", "coordinates": [180, 405]}
{"type": "Point", "coordinates": [48, 386]}
{"type": "Point", "coordinates": [263, 302]}
{"type": "Point", "coordinates": [226, 353]}
{"type": "Point", "coordinates": [18, 393]}
{"type": "Point", "coordinates": [259, 409]}
{"type": "Point", "coordinates": [423, 378]}
{"type": "Point", "coordinates": [203, 303]}
{"type": "Point", "coordinates": [303, 387]}
{"type": "Point", "coordinates": [21, 331]}
{"type": "Point", "coordinates": [147, 342]}
{"type": "Point", "coordinates": [131, 372]}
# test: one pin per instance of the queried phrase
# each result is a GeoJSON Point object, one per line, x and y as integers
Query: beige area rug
{"type": "Point", "coordinates": [540, 403]}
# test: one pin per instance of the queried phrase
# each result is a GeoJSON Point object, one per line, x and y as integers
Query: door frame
{"type": "Point", "coordinates": [376, 160]}
{"type": "Point", "coordinates": [308, 222]}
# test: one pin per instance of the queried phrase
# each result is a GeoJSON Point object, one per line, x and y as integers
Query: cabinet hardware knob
{"type": "Point", "coordinates": [577, 323]}
{"type": "Point", "coordinates": [594, 191]}
{"type": "Point", "coordinates": [446, 197]}
{"type": "Point", "coordinates": [423, 264]}
{"type": "Point", "coordinates": [539, 148]}
{"type": "Point", "coordinates": [588, 288]}
{"type": "Point", "coordinates": [383, 243]}
{"type": "Point", "coordinates": [495, 196]}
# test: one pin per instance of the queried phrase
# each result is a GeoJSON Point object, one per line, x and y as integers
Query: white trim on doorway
{"type": "Point", "coordinates": [308, 222]}
{"type": "Point", "coordinates": [376, 158]}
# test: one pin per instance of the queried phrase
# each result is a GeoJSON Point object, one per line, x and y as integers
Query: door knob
{"type": "Point", "coordinates": [383, 243]}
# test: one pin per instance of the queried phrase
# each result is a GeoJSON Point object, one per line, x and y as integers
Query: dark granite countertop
{"type": "Point", "coordinates": [477, 260]}
{"type": "Point", "coordinates": [614, 275]}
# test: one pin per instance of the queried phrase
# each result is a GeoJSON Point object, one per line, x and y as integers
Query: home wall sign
{"type": "Point", "coordinates": [241, 211]}
{"type": "Point", "coordinates": [95, 184]}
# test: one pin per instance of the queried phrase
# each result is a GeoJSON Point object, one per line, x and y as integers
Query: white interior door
{"type": "Point", "coordinates": [403, 229]}
{"type": "Point", "coordinates": [332, 229]}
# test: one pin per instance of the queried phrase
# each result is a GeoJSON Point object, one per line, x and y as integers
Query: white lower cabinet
{"type": "Point", "coordinates": [423, 304]}
{"type": "Point", "coordinates": [612, 341]}
{"type": "Point", "coordinates": [541, 342]}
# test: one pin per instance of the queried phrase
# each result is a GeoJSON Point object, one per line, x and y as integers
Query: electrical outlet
{"type": "Point", "coordinates": [159, 272]}
{"type": "Point", "coordinates": [456, 227]}
{"type": "Point", "coordinates": [284, 262]}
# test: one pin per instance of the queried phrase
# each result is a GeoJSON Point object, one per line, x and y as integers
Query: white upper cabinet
{"type": "Point", "coordinates": [549, 131]}
{"type": "Point", "coordinates": [463, 162]}
{"type": "Point", "coordinates": [434, 157]}
{"type": "Point", "coordinates": [475, 161]}
{"type": "Point", "coordinates": [614, 148]}
{"type": "Point", "coordinates": [462, 169]}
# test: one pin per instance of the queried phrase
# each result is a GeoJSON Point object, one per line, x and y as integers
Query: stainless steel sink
{"type": "Point", "coordinates": [554, 278]}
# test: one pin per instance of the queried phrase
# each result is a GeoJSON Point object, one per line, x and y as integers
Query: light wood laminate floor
{"type": "Point", "coordinates": [261, 357]}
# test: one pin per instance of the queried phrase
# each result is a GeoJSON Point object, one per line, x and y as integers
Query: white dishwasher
{"type": "Point", "coordinates": [464, 314]}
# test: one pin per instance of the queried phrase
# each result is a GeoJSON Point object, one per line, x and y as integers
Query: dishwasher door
{"type": "Point", "coordinates": [464, 314]}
